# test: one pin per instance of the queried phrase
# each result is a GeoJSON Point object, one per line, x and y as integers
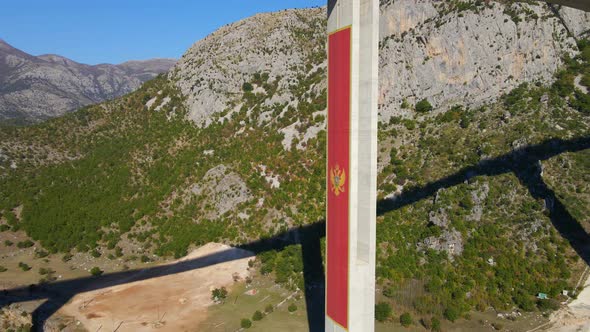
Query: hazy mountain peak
{"type": "Point", "coordinates": [57, 59]}
{"type": "Point", "coordinates": [34, 88]}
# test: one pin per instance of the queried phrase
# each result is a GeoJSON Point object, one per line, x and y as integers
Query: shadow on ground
{"type": "Point", "coordinates": [524, 163]}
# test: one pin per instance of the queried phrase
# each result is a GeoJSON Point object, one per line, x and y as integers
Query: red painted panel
{"type": "Point", "coordinates": [338, 175]}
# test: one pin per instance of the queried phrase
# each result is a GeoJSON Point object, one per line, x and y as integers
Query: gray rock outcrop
{"type": "Point", "coordinates": [450, 241]}
{"type": "Point", "coordinates": [211, 73]}
{"type": "Point", "coordinates": [222, 190]}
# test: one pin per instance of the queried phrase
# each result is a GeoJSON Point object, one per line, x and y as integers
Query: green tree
{"type": "Point", "coordinates": [451, 313]}
{"type": "Point", "coordinates": [246, 323]}
{"type": "Point", "coordinates": [382, 311]}
{"type": "Point", "coordinates": [406, 319]}
{"type": "Point", "coordinates": [435, 325]}
{"type": "Point", "coordinates": [292, 307]}
{"type": "Point", "coordinates": [247, 87]}
{"type": "Point", "coordinates": [96, 271]}
{"type": "Point", "coordinates": [423, 106]}
{"type": "Point", "coordinates": [219, 294]}
{"type": "Point", "coordinates": [257, 315]}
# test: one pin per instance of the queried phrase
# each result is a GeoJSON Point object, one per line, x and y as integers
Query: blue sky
{"type": "Point", "coordinates": [113, 31]}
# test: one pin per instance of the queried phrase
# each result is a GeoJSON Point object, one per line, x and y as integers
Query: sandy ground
{"type": "Point", "coordinates": [576, 317]}
{"type": "Point", "coordinates": [177, 301]}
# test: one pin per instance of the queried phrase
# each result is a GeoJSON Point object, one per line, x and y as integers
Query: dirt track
{"type": "Point", "coordinates": [177, 301]}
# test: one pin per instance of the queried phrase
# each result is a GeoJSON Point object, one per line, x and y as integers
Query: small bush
{"type": "Point", "coordinates": [96, 271]}
{"type": "Point", "coordinates": [435, 324]}
{"type": "Point", "coordinates": [257, 315]}
{"type": "Point", "coordinates": [405, 104]}
{"type": "Point", "coordinates": [67, 257]}
{"type": "Point", "coordinates": [25, 244]}
{"type": "Point", "coordinates": [409, 124]}
{"type": "Point", "coordinates": [292, 307]}
{"type": "Point", "coordinates": [406, 319]}
{"type": "Point", "coordinates": [219, 294]}
{"type": "Point", "coordinates": [41, 253]}
{"type": "Point", "coordinates": [389, 291]}
{"type": "Point", "coordinates": [246, 323]}
{"type": "Point", "coordinates": [3, 269]}
{"type": "Point", "coordinates": [451, 313]}
{"type": "Point", "coordinates": [269, 308]}
{"type": "Point", "coordinates": [549, 304]}
{"type": "Point", "coordinates": [423, 106]}
{"type": "Point", "coordinates": [24, 266]}
{"type": "Point", "coordinates": [382, 311]}
{"type": "Point", "coordinates": [247, 87]}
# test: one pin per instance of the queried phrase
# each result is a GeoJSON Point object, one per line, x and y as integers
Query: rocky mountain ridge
{"type": "Point", "coordinates": [448, 52]}
{"type": "Point", "coordinates": [34, 88]}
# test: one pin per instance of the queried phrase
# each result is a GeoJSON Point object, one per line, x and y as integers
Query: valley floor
{"type": "Point", "coordinates": [176, 296]}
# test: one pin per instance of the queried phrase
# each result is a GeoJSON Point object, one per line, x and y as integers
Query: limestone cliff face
{"type": "Point", "coordinates": [471, 56]}
{"type": "Point", "coordinates": [429, 49]}
{"type": "Point", "coordinates": [212, 71]}
{"type": "Point", "coordinates": [34, 88]}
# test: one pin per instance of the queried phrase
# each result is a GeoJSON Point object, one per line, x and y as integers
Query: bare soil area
{"type": "Point", "coordinates": [176, 301]}
{"type": "Point", "coordinates": [576, 316]}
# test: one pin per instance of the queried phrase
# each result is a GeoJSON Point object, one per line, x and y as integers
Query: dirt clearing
{"type": "Point", "coordinates": [177, 301]}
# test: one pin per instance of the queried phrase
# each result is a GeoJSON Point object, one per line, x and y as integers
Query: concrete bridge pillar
{"type": "Point", "coordinates": [353, 46]}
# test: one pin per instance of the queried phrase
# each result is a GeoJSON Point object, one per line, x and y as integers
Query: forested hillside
{"type": "Point", "coordinates": [478, 206]}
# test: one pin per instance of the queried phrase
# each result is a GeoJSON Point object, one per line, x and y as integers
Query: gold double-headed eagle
{"type": "Point", "coordinates": [337, 179]}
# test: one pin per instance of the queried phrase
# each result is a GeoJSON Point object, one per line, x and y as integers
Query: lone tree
{"type": "Point", "coordinates": [218, 295]}
{"type": "Point", "coordinates": [96, 271]}
{"type": "Point", "coordinates": [246, 323]}
{"type": "Point", "coordinates": [257, 315]}
{"type": "Point", "coordinates": [423, 106]}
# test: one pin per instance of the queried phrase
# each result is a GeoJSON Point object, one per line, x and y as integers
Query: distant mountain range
{"type": "Point", "coordinates": [35, 88]}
